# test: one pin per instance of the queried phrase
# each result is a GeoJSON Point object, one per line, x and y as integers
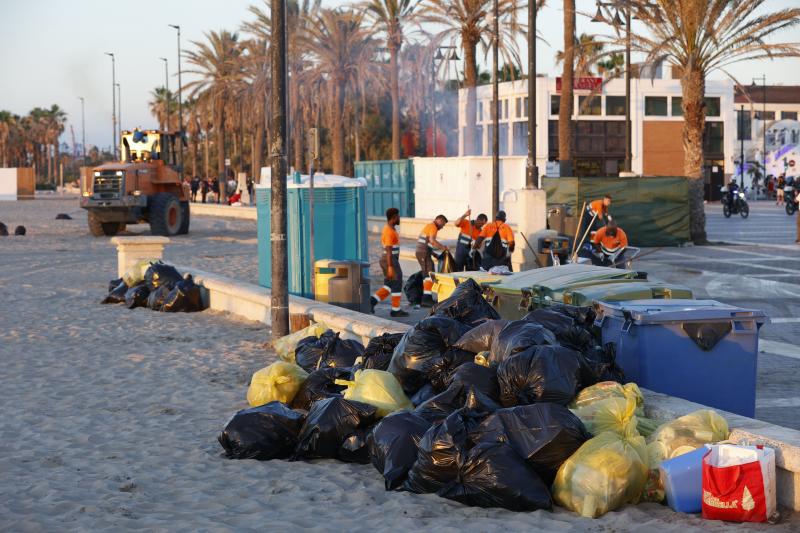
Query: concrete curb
{"type": "Point", "coordinates": [222, 211]}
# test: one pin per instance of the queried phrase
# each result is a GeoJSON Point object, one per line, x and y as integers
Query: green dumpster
{"type": "Point", "coordinates": [625, 290]}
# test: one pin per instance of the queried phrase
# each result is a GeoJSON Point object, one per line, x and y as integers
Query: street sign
{"type": "Point", "coordinates": [227, 162]}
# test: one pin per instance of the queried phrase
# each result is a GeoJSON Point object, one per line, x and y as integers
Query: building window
{"type": "Point", "coordinates": [788, 115]}
{"type": "Point", "coordinates": [518, 106]}
{"type": "Point", "coordinates": [712, 106]}
{"type": "Point", "coordinates": [655, 106]}
{"type": "Point", "coordinates": [520, 138]}
{"type": "Point", "coordinates": [555, 104]}
{"type": "Point", "coordinates": [713, 138]}
{"type": "Point", "coordinates": [743, 125]}
{"type": "Point", "coordinates": [479, 111]}
{"type": "Point", "coordinates": [615, 106]}
{"type": "Point", "coordinates": [677, 106]}
{"type": "Point", "coordinates": [589, 105]}
{"type": "Point", "coordinates": [525, 108]}
{"type": "Point", "coordinates": [503, 140]}
{"type": "Point", "coordinates": [765, 115]}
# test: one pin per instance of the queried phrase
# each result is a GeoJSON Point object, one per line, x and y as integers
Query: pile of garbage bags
{"type": "Point", "coordinates": [521, 414]}
{"type": "Point", "coordinates": [157, 286]}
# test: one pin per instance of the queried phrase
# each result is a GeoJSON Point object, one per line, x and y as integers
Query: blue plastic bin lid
{"type": "Point", "coordinates": [661, 311]}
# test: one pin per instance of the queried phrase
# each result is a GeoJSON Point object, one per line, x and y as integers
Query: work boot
{"type": "Point", "coordinates": [427, 300]}
{"type": "Point", "coordinates": [372, 303]}
{"type": "Point", "coordinates": [398, 313]}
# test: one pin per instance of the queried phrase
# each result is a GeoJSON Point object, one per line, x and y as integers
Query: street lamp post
{"type": "Point", "coordinates": [180, 97]}
{"type": "Point", "coordinates": [531, 170]}
{"type": "Point", "coordinates": [741, 146]}
{"type": "Point", "coordinates": [83, 130]}
{"type": "Point", "coordinates": [763, 80]}
{"type": "Point", "coordinates": [119, 111]}
{"type": "Point", "coordinates": [452, 55]}
{"type": "Point", "coordinates": [495, 106]}
{"type": "Point", "coordinates": [113, 102]}
{"type": "Point", "coordinates": [166, 88]}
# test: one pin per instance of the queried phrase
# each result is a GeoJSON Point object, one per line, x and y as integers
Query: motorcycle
{"type": "Point", "coordinates": [738, 206]}
{"type": "Point", "coordinates": [790, 193]}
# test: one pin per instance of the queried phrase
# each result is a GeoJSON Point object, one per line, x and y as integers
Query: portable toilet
{"type": "Point", "coordinates": [340, 227]}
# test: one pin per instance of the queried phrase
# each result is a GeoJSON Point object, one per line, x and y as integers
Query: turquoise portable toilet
{"type": "Point", "coordinates": [340, 227]}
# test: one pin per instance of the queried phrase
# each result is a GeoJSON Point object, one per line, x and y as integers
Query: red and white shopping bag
{"type": "Point", "coordinates": [739, 483]}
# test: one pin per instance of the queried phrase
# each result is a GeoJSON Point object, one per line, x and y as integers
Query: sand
{"type": "Point", "coordinates": [110, 416]}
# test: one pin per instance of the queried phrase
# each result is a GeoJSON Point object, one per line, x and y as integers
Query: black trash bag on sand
{"type": "Point", "coordinates": [327, 351]}
{"type": "Point", "coordinates": [480, 378]}
{"type": "Point", "coordinates": [493, 475]}
{"type": "Point", "coordinates": [159, 273]}
{"type": "Point", "coordinates": [518, 336]}
{"type": "Point", "coordinates": [583, 316]}
{"type": "Point", "coordinates": [425, 393]}
{"type": "Point", "coordinates": [116, 295]}
{"type": "Point", "coordinates": [479, 338]}
{"type": "Point", "coordinates": [393, 445]}
{"type": "Point", "coordinates": [452, 399]}
{"type": "Point", "coordinates": [413, 288]}
{"type": "Point", "coordinates": [467, 305]}
{"type": "Point", "coordinates": [185, 297]}
{"type": "Point", "coordinates": [155, 300]}
{"type": "Point", "coordinates": [320, 385]}
{"type": "Point", "coordinates": [543, 434]}
{"type": "Point", "coordinates": [114, 283]}
{"type": "Point", "coordinates": [63, 216]}
{"type": "Point", "coordinates": [265, 432]}
{"type": "Point", "coordinates": [567, 331]}
{"type": "Point", "coordinates": [20, 231]}
{"type": "Point", "coordinates": [422, 354]}
{"type": "Point", "coordinates": [137, 296]}
{"type": "Point", "coordinates": [444, 448]}
{"type": "Point", "coordinates": [603, 362]}
{"type": "Point", "coordinates": [378, 353]}
{"type": "Point", "coordinates": [540, 374]}
{"type": "Point", "coordinates": [3, 230]}
{"type": "Point", "coordinates": [336, 428]}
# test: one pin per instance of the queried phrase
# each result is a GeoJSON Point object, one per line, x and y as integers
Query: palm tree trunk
{"type": "Point", "coordinates": [206, 155]}
{"type": "Point", "coordinates": [337, 128]}
{"type": "Point", "coordinates": [565, 106]}
{"type": "Point", "coordinates": [693, 85]}
{"type": "Point", "coordinates": [470, 82]}
{"type": "Point", "coordinates": [297, 122]}
{"type": "Point", "coordinates": [258, 142]}
{"type": "Point", "coordinates": [220, 127]}
{"type": "Point", "coordinates": [394, 67]}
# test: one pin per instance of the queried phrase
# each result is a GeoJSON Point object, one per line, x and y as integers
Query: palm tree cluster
{"type": "Point", "coordinates": [32, 140]}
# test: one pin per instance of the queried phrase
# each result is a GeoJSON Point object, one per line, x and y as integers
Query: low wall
{"type": "Point", "coordinates": [222, 211]}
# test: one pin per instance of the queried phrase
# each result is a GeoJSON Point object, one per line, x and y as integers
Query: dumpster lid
{"type": "Point", "coordinates": [659, 311]}
{"type": "Point", "coordinates": [321, 181]}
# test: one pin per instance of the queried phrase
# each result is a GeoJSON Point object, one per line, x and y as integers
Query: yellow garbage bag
{"type": "Point", "coordinates": [135, 274]}
{"type": "Point", "coordinates": [285, 346]}
{"type": "Point", "coordinates": [279, 381]}
{"type": "Point", "coordinates": [609, 414]}
{"type": "Point", "coordinates": [685, 434]}
{"type": "Point", "coordinates": [606, 472]}
{"type": "Point", "coordinates": [609, 389]}
{"type": "Point", "coordinates": [378, 388]}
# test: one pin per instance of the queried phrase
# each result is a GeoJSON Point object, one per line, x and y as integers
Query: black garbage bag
{"type": "Point", "coordinates": [479, 338]}
{"type": "Point", "coordinates": [425, 393]}
{"type": "Point", "coordinates": [467, 305]}
{"type": "Point", "coordinates": [393, 446]}
{"type": "Point", "coordinates": [452, 399]}
{"type": "Point", "coordinates": [543, 434]}
{"type": "Point", "coordinates": [379, 350]}
{"type": "Point", "coordinates": [159, 273]}
{"type": "Point", "coordinates": [185, 297]}
{"type": "Point", "coordinates": [113, 284]}
{"type": "Point", "coordinates": [137, 296]}
{"type": "Point", "coordinates": [540, 374]}
{"type": "Point", "coordinates": [603, 362]}
{"type": "Point", "coordinates": [327, 350]}
{"type": "Point", "coordinates": [518, 336]}
{"type": "Point", "coordinates": [480, 378]}
{"type": "Point", "coordinates": [336, 428]}
{"type": "Point", "coordinates": [421, 352]}
{"type": "Point", "coordinates": [413, 288]}
{"type": "Point", "coordinates": [4, 230]}
{"type": "Point", "coordinates": [583, 316]}
{"type": "Point", "coordinates": [117, 294]}
{"type": "Point", "coordinates": [20, 231]}
{"type": "Point", "coordinates": [155, 300]}
{"type": "Point", "coordinates": [319, 385]}
{"type": "Point", "coordinates": [493, 475]}
{"type": "Point", "coordinates": [446, 263]}
{"type": "Point", "coordinates": [451, 359]}
{"type": "Point", "coordinates": [63, 216]}
{"type": "Point", "coordinates": [265, 432]}
{"type": "Point", "coordinates": [443, 448]}
{"type": "Point", "coordinates": [567, 331]}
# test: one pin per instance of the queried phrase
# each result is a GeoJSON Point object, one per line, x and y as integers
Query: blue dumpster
{"type": "Point", "coordinates": [700, 350]}
{"type": "Point", "coordinates": [340, 227]}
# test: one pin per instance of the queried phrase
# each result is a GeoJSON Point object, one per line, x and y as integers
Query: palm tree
{"type": "Point", "coordinates": [6, 124]}
{"type": "Point", "coordinates": [341, 49]}
{"type": "Point", "coordinates": [390, 17]}
{"type": "Point", "coordinates": [164, 107]}
{"type": "Point", "coordinates": [56, 118]}
{"type": "Point", "coordinates": [218, 69]}
{"type": "Point", "coordinates": [468, 22]}
{"type": "Point", "coordinates": [565, 106]}
{"type": "Point", "coordinates": [698, 38]}
{"type": "Point", "coordinates": [613, 65]}
{"type": "Point", "coordinates": [587, 51]}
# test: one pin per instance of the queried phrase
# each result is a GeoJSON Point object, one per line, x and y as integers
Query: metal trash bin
{"type": "Point", "coordinates": [700, 350]}
{"type": "Point", "coordinates": [323, 272]}
{"type": "Point", "coordinates": [349, 288]}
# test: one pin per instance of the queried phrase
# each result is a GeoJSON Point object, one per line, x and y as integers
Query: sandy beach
{"type": "Point", "coordinates": [110, 416]}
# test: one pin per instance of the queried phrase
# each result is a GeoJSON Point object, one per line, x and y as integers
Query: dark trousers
{"type": "Point", "coordinates": [425, 260]}
{"type": "Point", "coordinates": [395, 284]}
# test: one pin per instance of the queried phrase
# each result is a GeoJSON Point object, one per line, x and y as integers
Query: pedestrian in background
{"type": "Point", "coordinates": [195, 185]}
{"type": "Point", "coordinates": [779, 189]}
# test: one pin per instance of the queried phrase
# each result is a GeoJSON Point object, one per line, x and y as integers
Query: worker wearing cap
{"type": "Point", "coordinates": [506, 240]}
{"type": "Point", "coordinates": [469, 231]}
{"type": "Point", "coordinates": [611, 242]}
{"type": "Point", "coordinates": [427, 247]}
{"type": "Point", "coordinates": [390, 264]}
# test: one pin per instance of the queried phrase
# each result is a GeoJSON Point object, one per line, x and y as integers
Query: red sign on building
{"type": "Point", "coordinates": [582, 84]}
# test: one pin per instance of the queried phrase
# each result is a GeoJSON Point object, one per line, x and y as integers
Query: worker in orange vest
{"type": "Point", "coordinates": [610, 242]}
{"type": "Point", "coordinates": [390, 264]}
{"type": "Point", "coordinates": [470, 230]}
{"type": "Point", "coordinates": [499, 243]}
{"type": "Point", "coordinates": [427, 247]}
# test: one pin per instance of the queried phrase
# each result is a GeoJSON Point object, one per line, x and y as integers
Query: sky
{"type": "Point", "coordinates": [52, 52]}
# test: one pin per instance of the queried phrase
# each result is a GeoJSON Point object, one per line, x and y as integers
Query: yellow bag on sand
{"type": "Point", "coordinates": [378, 388]}
{"type": "Point", "coordinates": [685, 434]}
{"type": "Point", "coordinates": [279, 381]}
{"type": "Point", "coordinates": [609, 389]}
{"type": "Point", "coordinates": [135, 274]}
{"type": "Point", "coordinates": [606, 472]}
{"type": "Point", "coordinates": [285, 346]}
{"type": "Point", "coordinates": [609, 414]}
